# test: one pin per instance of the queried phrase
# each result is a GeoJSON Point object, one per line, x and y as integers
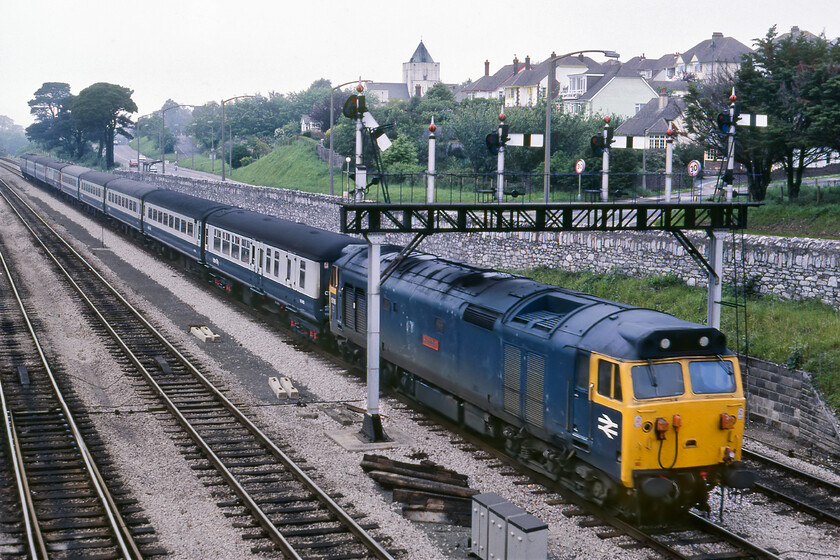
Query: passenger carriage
{"type": "Point", "coordinates": [287, 262]}
{"type": "Point", "coordinates": [92, 188]}
{"type": "Point", "coordinates": [178, 220]}
{"type": "Point", "coordinates": [70, 179]}
{"type": "Point", "coordinates": [124, 201]}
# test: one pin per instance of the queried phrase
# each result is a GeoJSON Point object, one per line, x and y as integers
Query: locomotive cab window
{"type": "Point", "coordinates": [712, 377]}
{"type": "Point", "coordinates": [609, 380]}
{"type": "Point", "coordinates": [651, 381]}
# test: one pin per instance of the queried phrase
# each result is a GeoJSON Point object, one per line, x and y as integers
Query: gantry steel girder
{"type": "Point", "coordinates": [380, 218]}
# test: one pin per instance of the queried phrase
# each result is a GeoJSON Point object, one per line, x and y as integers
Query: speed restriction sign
{"type": "Point", "coordinates": [580, 166]}
{"type": "Point", "coordinates": [693, 168]}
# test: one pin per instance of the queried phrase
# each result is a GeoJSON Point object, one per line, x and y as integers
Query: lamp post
{"type": "Point", "coordinates": [138, 137]}
{"type": "Point", "coordinates": [332, 120]}
{"type": "Point", "coordinates": [163, 135]}
{"type": "Point", "coordinates": [223, 128]}
{"type": "Point", "coordinates": [552, 69]}
{"type": "Point", "coordinates": [230, 151]}
{"type": "Point", "coordinates": [212, 148]}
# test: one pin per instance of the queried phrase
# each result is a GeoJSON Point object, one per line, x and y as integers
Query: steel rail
{"type": "Point", "coordinates": [126, 543]}
{"type": "Point", "coordinates": [791, 500]}
{"type": "Point", "coordinates": [367, 540]}
{"type": "Point", "coordinates": [37, 545]}
{"type": "Point", "coordinates": [709, 526]}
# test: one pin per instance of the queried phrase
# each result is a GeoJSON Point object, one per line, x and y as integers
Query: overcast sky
{"type": "Point", "coordinates": [194, 51]}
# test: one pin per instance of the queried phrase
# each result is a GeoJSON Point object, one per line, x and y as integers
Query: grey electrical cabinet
{"type": "Point", "coordinates": [480, 517]}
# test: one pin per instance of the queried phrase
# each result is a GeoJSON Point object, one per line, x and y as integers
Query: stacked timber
{"type": "Point", "coordinates": [427, 491]}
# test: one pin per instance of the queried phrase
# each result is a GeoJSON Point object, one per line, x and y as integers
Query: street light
{"type": "Point", "coordinates": [332, 120]}
{"type": "Point", "coordinates": [163, 134]}
{"type": "Point", "coordinates": [230, 152]}
{"type": "Point", "coordinates": [212, 147]}
{"type": "Point", "coordinates": [552, 69]}
{"type": "Point", "coordinates": [223, 128]}
{"type": "Point", "coordinates": [138, 137]}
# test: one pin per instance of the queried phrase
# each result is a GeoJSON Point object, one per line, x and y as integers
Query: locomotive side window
{"type": "Point", "coordinates": [609, 380]}
{"type": "Point", "coordinates": [302, 282]}
{"type": "Point", "coordinates": [651, 381]}
{"type": "Point", "coordinates": [712, 377]}
{"type": "Point", "coordinates": [582, 372]}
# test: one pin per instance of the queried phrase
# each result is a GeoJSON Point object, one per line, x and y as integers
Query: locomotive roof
{"type": "Point", "coordinates": [487, 298]}
{"type": "Point", "coordinates": [301, 239]}
{"type": "Point", "coordinates": [74, 170]}
{"type": "Point", "coordinates": [98, 177]}
{"type": "Point", "coordinates": [186, 204]}
{"type": "Point", "coordinates": [131, 187]}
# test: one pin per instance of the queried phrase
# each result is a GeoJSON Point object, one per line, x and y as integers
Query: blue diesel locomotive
{"type": "Point", "coordinates": [632, 408]}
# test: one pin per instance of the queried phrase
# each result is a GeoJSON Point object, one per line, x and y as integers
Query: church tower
{"type": "Point", "coordinates": [421, 72]}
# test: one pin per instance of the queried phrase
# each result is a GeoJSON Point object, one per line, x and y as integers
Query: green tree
{"type": "Point", "coordinates": [470, 125]}
{"type": "Point", "coordinates": [12, 137]}
{"type": "Point", "coordinates": [782, 78]}
{"type": "Point", "coordinates": [102, 109]}
{"type": "Point", "coordinates": [54, 125]}
{"type": "Point", "coordinates": [402, 154]}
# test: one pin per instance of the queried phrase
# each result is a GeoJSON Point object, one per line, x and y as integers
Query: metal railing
{"type": "Point", "coordinates": [526, 188]}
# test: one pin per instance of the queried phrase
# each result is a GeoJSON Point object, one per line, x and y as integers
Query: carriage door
{"type": "Point", "coordinates": [261, 270]}
{"type": "Point", "coordinates": [581, 416]}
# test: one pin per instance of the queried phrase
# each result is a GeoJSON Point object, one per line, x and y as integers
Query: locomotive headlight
{"type": "Point", "coordinates": [704, 341]}
{"type": "Point", "coordinates": [665, 343]}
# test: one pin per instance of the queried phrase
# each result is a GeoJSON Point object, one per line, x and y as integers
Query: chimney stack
{"type": "Point", "coordinates": [527, 62]}
{"type": "Point", "coordinates": [486, 67]}
{"type": "Point", "coordinates": [663, 98]}
{"type": "Point", "coordinates": [515, 64]}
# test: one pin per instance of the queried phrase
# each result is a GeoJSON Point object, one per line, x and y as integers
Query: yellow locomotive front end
{"type": "Point", "coordinates": [685, 428]}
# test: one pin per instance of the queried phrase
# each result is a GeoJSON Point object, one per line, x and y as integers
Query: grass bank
{"type": "Point", "coordinates": [799, 334]}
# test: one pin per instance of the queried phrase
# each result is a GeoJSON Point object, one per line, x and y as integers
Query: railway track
{"type": "Point", "coordinates": [272, 497]}
{"type": "Point", "coordinates": [697, 538]}
{"type": "Point", "coordinates": [63, 499]}
{"type": "Point", "coordinates": [802, 491]}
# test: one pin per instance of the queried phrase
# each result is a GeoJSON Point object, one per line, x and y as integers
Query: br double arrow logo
{"type": "Point", "coordinates": [606, 425]}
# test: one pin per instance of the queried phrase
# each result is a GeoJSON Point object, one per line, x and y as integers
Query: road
{"type": "Point", "coordinates": [123, 153]}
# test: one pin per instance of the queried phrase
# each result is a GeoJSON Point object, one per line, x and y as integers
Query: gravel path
{"type": "Point", "coordinates": [183, 511]}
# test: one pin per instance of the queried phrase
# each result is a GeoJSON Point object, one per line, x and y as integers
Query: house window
{"type": "Point", "coordinates": [657, 141]}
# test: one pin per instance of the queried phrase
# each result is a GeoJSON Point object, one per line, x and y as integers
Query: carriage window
{"type": "Point", "coordinates": [246, 251]}
{"type": "Point", "coordinates": [190, 229]}
{"type": "Point", "coordinates": [609, 380]}
{"type": "Point", "coordinates": [217, 241]}
{"type": "Point", "coordinates": [302, 274]}
{"type": "Point", "coordinates": [171, 221]}
{"type": "Point", "coordinates": [226, 244]}
{"type": "Point", "coordinates": [234, 252]}
{"type": "Point", "coordinates": [288, 269]}
{"type": "Point", "coordinates": [712, 377]}
{"type": "Point", "coordinates": [183, 226]}
{"type": "Point", "coordinates": [651, 381]}
{"type": "Point", "coordinates": [177, 223]}
{"type": "Point", "coordinates": [277, 264]}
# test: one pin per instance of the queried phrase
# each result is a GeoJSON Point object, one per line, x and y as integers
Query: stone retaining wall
{"type": "Point", "coordinates": [787, 267]}
{"type": "Point", "coordinates": [786, 402]}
